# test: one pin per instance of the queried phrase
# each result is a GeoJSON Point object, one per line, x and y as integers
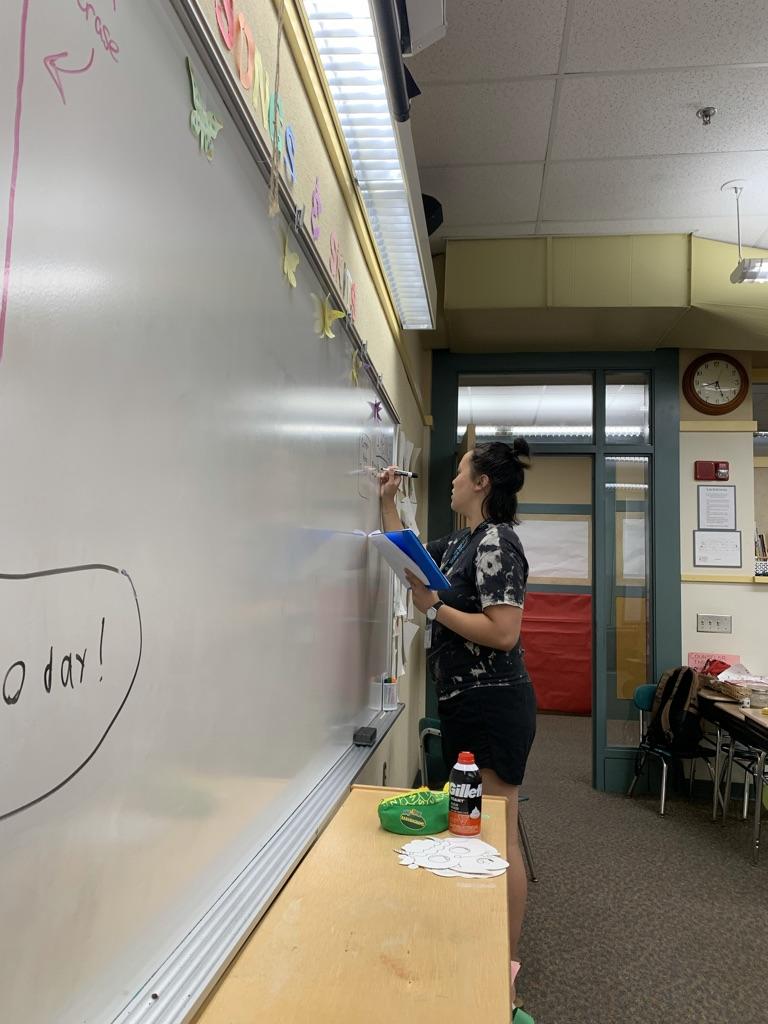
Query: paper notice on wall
{"type": "Point", "coordinates": [401, 600]}
{"type": "Point", "coordinates": [556, 548]}
{"type": "Point", "coordinates": [410, 630]}
{"type": "Point", "coordinates": [399, 652]}
{"type": "Point", "coordinates": [407, 510]}
{"type": "Point", "coordinates": [633, 549]}
{"type": "Point", "coordinates": [717, 548]}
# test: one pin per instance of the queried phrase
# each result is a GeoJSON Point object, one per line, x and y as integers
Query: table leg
{"type": "Point", "coordinates": [716, 782]}
{"type": "Point", "coordinates": [759, 778]}
{"type": "Point", "coordinates": [728, 779]}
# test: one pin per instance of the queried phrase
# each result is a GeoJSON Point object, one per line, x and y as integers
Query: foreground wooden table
{"type": "Point", "coordinates": [354, 936]}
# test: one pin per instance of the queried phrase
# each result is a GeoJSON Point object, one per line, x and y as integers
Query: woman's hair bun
{"type": "Point", "coordinates": [520, 448]}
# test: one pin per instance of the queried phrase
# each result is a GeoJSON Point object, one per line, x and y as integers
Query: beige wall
{"type": "Point", "coordinates": [374, 319]}
{"type": "Point", "coordinates": [744, 600]}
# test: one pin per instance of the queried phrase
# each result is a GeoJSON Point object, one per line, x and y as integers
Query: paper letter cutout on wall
{"type": "Point", "coordinates": [353, 302]}
{"type": "Point", "coordinates": [261, 90]}
{"type": "Point", "coordinates": [325, 316]}
{"type": "Point", "coordinates": [204, 124]}
{"type": "Point", "coordinates": [290, 262]}
{"type": "Point", "coordinates": [317, 207]}
{"type": "Point", "coordinates": [244, 34]}
{"type": "Point", "coordinates": [333, 262]}
{"type": "Point", "coordinates": [225, 19]}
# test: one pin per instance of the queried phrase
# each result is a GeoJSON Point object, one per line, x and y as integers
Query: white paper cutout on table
{"type": "Point", "coordinates": [455, 857]}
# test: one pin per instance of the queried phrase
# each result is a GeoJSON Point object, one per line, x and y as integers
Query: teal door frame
{"type": "Point", "coordinates": [611, 766]}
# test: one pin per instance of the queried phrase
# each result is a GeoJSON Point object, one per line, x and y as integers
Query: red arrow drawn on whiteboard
{"type": "Point", "coordinates": [14, 171]}
{"type": "Point", "coordinates": [52, 67]}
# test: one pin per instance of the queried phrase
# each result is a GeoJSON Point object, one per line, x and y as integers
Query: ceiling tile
{"type": "Point", "coordinates": [679, 187]}
{"type": "Point", "coordinates": [655, 114]}
{"type": "Point", "coordinates": [491, 195]}
{"type": "Point", "coordinates": [487, 39]}
{"type": "Point", "coordinates": [721, 229]}
{"type": "Point", "coordinates": [489, 123]}
{"type": "Point", "coordinates": [613, 34]}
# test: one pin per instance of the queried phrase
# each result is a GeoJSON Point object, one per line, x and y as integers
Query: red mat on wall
{"type": "Point", "coordinates": [557, 638]}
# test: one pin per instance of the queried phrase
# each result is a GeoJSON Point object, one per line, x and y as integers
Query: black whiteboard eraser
{"type": "Point", "coordinates": [365, 736]}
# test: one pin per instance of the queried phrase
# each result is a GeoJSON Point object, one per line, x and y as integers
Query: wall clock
{"type": "Point", "coordinates": [715, 383]}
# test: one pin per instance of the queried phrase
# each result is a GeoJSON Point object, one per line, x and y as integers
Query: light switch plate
{"type": "Point", "coordinates": [713, 623]}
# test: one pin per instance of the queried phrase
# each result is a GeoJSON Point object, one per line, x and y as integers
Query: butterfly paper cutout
{"type": "Point", "coordinates": [205, 125]}
{"type": "Point", "coordinates": [325, 316]}
{"type": "Point", "coordinates": [290, 262]}
{"type": "Point", "coordinates": [355, 367]}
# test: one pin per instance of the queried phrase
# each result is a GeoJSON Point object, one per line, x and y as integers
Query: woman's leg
{"type": "Point", "coordinates": [517, 879]}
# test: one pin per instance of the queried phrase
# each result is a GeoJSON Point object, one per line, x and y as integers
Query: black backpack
{"type": "Point", "coordinates": [675, 720]}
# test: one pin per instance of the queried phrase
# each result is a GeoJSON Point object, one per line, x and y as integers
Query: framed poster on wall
{"type": "Point", "coordinates": [720, 548]}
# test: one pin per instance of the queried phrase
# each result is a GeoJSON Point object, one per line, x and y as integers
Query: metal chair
{"type": "Point", "coordinates": [429, 737]}
{"type": "Point", "coordinates": [643, 701]}
{"type": "Point", "coordinates": [741, 755]}
{"type": "Point", "coordinates": [755, 738]}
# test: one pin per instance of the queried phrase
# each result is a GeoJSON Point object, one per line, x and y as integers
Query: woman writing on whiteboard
{"type": "Point", "coordinates": [485, 698]}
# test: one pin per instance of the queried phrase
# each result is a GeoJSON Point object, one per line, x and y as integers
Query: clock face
{"type": "Point", "coordinates": [717, 382]}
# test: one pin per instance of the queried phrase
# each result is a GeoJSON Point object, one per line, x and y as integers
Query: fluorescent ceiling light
{"type": "Point", "coordinates": [747, 271]}
{"type": "Point", "coordinates": [530, 431]}
{"type": "Point", "coordinates": [345, 36]}
{"type": "Point", "coordinates": [750, 271]}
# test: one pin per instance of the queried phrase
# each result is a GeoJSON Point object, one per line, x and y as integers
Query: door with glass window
{"type": "Point", "coordinates": [584, 522]}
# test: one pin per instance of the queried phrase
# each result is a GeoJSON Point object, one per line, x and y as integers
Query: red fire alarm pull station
{"type": "Point", "coordinates": [710, 470]}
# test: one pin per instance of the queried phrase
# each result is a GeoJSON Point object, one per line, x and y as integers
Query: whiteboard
{"type": "Point", "coordinates": [189, 619]}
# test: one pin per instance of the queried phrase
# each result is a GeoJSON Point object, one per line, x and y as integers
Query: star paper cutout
{"type": "Point", "coordinates": [375, 410]}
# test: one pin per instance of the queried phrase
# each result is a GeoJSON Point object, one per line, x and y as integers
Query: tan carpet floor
{"type": "Point", "coordinates": [637, 917]}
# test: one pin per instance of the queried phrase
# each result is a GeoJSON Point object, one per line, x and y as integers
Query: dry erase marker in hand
{"type": "Point", "coordinates": [404, 472]}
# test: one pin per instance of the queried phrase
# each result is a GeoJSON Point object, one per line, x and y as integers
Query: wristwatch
{"type": "Point", "coordinates": [431, 613]}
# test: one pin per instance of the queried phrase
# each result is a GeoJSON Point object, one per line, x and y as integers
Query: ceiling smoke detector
{"type": "Point", "coordinates": [705, 115]}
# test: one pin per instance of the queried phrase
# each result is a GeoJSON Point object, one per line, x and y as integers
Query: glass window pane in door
{"type": "Point", "coordinates": [543, 408]}
{"type": "Point", "coordinates": [626, 408]}
{"type": "Point", "coordinates": [628, 567]}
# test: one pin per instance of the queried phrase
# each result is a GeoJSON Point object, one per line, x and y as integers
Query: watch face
{"type": "Point", "coordinates": [717, 382]}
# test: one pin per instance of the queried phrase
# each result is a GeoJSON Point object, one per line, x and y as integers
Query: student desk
{"type": "Point", "coordinates": [355, 936]}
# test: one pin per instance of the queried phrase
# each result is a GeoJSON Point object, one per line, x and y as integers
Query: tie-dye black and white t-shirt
{"type": "Point", "coordinates": [486, 567]}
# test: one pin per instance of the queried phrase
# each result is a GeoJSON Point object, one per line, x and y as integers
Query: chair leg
{"type": "Point", "coordinates": [692, 771]}
{"type": "Point", "coordinates": [638, 772]}
{"type": "Point", "coordinates": [716, 786]}
{"type": "Point", "coordinates": [745, 801]}
{"type": "Point", "coordinates": [759, 779]}
{"type": "Point", "coordinates": [663, 786]}
{"type": "Point", "coordinates": [728, 780]}
{"type": "Point", "coordinates": [526, 847]}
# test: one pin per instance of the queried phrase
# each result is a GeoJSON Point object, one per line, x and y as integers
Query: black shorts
{"type": "Point", "coordinates": [496, 723]}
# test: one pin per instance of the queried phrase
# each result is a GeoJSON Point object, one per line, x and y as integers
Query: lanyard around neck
{"type": "Point", "coordinates": [460, 548]}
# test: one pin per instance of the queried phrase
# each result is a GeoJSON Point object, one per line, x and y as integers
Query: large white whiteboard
{"type": "Point", "coordinates": [176, 436]}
